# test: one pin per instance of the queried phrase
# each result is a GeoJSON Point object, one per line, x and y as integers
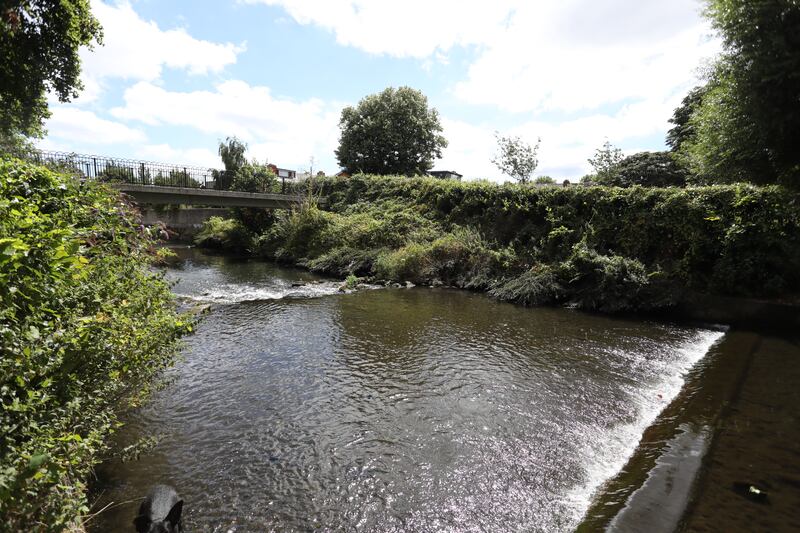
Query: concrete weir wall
{"type": "Point", "coordinates": [186, 222]}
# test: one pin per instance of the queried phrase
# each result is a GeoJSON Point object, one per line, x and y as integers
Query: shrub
{"type": "Point", "coordinates": [224, 234]}
{"type": "Point", "coordinates": [76, 347]}
{"type": "Point", "coordinates": [460, 258]}
{"type": "Point", "coordinates": [538, 286]}
{"type": "Point", "coordinates": [729, 240]}
{"type": "Point", "coordinates": [606, 282]}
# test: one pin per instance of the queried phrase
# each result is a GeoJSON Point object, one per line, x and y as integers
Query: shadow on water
{"type": "Point", "coordinates": [300, 408]}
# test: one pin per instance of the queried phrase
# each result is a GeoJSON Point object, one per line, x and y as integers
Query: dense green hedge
{"type": "Point", "coordinates": [84, 326]}
{"type": "Point", "coordinates": [601, 248]}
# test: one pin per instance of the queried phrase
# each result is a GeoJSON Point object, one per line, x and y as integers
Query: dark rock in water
{"type": "Point", "coordinates": [436, 283]}
{"type": "Point", "coordinates": [298, 284]}
{"type": "Point", "coordinates": [751, 492]}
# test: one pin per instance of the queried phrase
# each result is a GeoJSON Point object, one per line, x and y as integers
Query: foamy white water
{"type": "Point", "coordinates": [201, 284]}
{"type": "Point", "coordinates": [233, 294]}
{"type": "Point", "coordinates": [606, 451]}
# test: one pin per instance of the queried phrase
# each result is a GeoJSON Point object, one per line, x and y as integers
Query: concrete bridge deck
{"type": "Point", "coordinates": [149, 194]}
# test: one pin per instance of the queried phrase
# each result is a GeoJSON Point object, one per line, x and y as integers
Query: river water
{"type": "Point", "coordinates": [304, 408]}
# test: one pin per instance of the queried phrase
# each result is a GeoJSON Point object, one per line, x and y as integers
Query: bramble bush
{"type": "Point", "coordinates": [85, 326]}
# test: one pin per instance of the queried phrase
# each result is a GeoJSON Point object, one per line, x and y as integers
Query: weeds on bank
{"type": "Point", "coordinates": [603, 248]}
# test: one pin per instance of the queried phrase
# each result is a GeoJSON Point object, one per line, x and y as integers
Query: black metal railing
{"type": "Point", "coordinates": [121, 170]}
{"type": "Point", "coordinates": [134, 171]}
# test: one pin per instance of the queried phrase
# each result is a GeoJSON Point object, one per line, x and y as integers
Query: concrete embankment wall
{"type": "Point", "coordinates": [186, 222]}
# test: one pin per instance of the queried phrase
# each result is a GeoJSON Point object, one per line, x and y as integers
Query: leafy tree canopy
{"type": "Point", "coordinates": [253, 177]}
{"type": "Point", "coordinates": [516, 158]}
{"type": "Point", "coordinates": [748, 124]}
{"type": "Point", "coordinates": [39, 43]}
{"type": "Point", "coordinates": [762, 44]}
{"type": "Point", "coordinates": [682, 129]}
{"type": "Point", "coordinates": [648, 169]}
{"type": "Point", "coordinates": [392, 132]}
{"type": "Point", "coordinates": [725, 146]}
{"type": "Point", "coordinates": [231, 151]}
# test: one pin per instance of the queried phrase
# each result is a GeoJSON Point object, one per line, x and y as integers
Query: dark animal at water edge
{"type": "Point", "coordinates": [160, 511]}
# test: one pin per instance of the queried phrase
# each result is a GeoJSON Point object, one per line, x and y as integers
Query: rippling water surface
{"type": "Point", "coordinates": [302, 408]}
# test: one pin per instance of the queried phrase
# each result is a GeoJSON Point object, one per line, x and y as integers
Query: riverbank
{"type": "Point", "coordinates": [85, 326]}
{"type": "Point", "coordinates": [595, 248]}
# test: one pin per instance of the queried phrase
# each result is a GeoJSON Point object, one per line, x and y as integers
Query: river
{"type": "Point", "coordinates": [298, 408]}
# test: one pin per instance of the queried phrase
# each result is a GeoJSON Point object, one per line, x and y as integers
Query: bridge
{"type": "Point", "coordinates": [161, 194]}
{"type": "Point", "coordinates": [148, 182]}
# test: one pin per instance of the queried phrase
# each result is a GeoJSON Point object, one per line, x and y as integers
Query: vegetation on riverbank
{"type": "Point", "coordinates": [85, 325]}
{"type": "Point", "coordinates": [602, 248]}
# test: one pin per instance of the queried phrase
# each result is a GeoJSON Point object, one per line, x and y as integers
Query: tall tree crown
{"type": "Point", "coordinates": [39, 44]}
{"type": "Point", "coordinates": [391, 132]}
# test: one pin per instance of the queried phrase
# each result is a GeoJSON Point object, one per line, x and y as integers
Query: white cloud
{"type": "Point", "coordinates": [566, 145]}
{"type": "Point", "coordinates": [70, 125]}
{"type": "Point", "coordinates": [469, 150]}
{"type": "Point", "coordinates": [164, 153]}
{"type": "Point", "coordinates": [284, 131]}
{"type": "Point", "coordinates": [533, 56]}
{"type": "Point", "coordinates": [136, 49]}
{"type": "Point", "coordinates": [579, 55]}
{"type": "Point", "coordinates": [411, 28]}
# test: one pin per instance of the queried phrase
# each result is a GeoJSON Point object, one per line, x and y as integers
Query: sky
{"type": "Point", "coordinates": [173, 78]}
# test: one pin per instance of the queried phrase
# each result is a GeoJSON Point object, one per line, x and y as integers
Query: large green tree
{"type": "Point", "coordinates": [392, 132]}
{"type": "Point", "coordinates": [39, 44]}
{"type": "Point", "coordinates": [748, 125]}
